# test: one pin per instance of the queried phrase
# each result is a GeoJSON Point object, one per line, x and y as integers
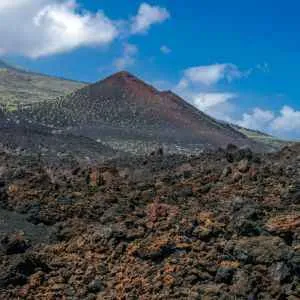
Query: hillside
{"type": "Point", "coordinates": [21, 87]}
{"type": "Point", "coordinates": [122, 107]}
{"type": "Point", "coordinates": [32, 142]}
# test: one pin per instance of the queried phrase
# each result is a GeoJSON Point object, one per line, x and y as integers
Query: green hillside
{"type": "Point", "coordinates": [21, 87]}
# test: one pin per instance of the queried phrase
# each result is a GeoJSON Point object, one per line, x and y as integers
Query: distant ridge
{"type": "Point", "coordinates": [22, 87]}
{"type": "Point", "coordinates": [4, 65]}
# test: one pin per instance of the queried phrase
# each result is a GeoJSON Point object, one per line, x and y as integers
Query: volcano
{"type": "Point", "coordinates": [124, 107]}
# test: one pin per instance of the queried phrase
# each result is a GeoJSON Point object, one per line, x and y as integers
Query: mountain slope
{"type": "Point", "coordinates": [4, 65]}
{"type": "Point", "coordinates": [22, 87]}
{"type": "Point", "coordinates": [32, 141]}
{"type": "Point", "coordinates": [124, 107]}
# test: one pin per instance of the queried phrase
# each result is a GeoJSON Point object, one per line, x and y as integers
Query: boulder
{"type": "Point", "coordinates": [262, 250]}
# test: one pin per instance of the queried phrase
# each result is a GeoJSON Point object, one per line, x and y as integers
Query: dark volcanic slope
{"type": "Point", "coordinates": [126, 106]}
{"type": "Point", "coordinates": [29, 141]}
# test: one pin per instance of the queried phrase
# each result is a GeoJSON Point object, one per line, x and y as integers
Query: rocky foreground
{"type": "Point", "coordinates": [224, 225]}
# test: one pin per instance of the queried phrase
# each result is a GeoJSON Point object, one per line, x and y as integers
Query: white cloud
{"type": "Point", "coordinates": [44, 27]}
{"type": "Point", "coordinates": [196, 83]}
{"type": "Point", "coordinates": [147, 16]}
{"type": "Point", "coordinates": [287, 121]}
{"type": "Point", "coordinates": [165, 50]}
{"type": "Point", "coordinates": [205, 101]}
{"type": "Point", "coordinates": [195, 86]}
{"type": "Point", "coordinates": [47, 27]}
{"type": "Point", "coordinates": [258, 119]}
{"type": "Point", "coordinates": [128, 57]}
{"type": "Point", "coordinates": [284, 124]}
{"type": "Point", "coordinates": [210, 75]}
{"type": "Point", "coordinates": [215, 104]}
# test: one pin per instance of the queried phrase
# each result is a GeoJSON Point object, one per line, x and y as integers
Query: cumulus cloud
{"type": "Point", "coordinates": [197, 86]}
{"type": "Point", "coordinates": [286, 123]}
{"type": "Point", "coordinates": [215, 104]}
{"type": "Point", "coordinates": [210, 75]}
{"type": "Point", "coordinates": [165, 49]}
{"type": "Point", "coordinates": [128, 57]}
{"type": "Point", "coordinates": [205, 101]}
{"type": "Point", "coordinates": [44, 27]}
{"type": "Point", "coordinates": [258, 119]}
{"type": "Point", "coordinates": [147, 16]}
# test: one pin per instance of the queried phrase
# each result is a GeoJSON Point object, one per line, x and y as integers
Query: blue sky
{"type": "Point", "coordinates": [235, 60]}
